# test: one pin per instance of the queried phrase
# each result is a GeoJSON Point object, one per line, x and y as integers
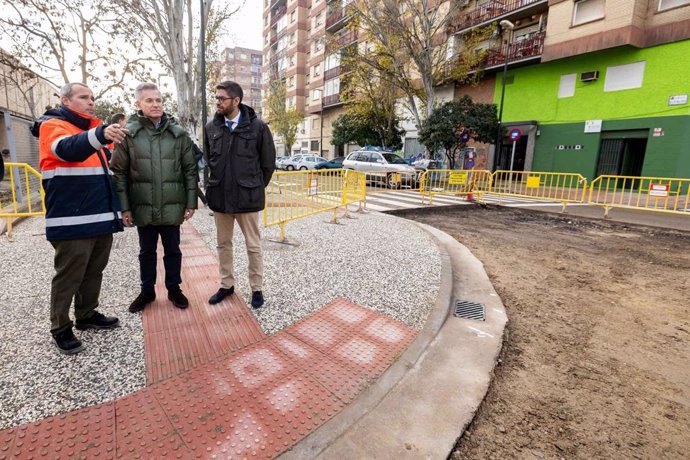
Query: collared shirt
{"type": "Point", "coordinates": [232, 124]}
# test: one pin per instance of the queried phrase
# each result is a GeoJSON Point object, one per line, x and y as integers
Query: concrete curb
{"type": "Point", "coordinates": [421, 405]}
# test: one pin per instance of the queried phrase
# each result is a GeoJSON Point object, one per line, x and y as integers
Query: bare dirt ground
{"type": "Point", "coordinates": [596, 357]}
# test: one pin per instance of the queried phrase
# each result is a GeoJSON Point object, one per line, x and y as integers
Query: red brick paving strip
{"type": "Point", "coordinates": [243, 397]}
{"type": "Point", "coordinates": [178, 340]}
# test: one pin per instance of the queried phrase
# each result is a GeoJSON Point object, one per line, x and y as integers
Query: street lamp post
{"type": "Point", "coordinates": [320, 121]}
{"type": "Point", "coordinates": [505, 25]}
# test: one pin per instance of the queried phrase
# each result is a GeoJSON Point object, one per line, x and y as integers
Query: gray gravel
{"type": "Point", "coordinates": [35, 380]}
{"type": "Point", "coordinates": [379, 261]}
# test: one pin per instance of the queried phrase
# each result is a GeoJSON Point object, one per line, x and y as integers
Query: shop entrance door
{"type": "Point", "coordinates": [621, 156]}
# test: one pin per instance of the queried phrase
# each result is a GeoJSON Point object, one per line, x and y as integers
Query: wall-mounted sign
{"type": "Point", "coordinates": [570, 147]}
{"type": "Point", "coordinates": [678, 99]}
{"type": "Point", "coordinates": [657, 132]}
{"type": "Point", "coordinates": [593, 126]}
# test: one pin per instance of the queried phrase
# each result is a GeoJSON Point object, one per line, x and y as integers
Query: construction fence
{"type": "Point", "coordinates": [294, 195]}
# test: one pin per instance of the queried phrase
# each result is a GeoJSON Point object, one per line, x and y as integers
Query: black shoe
{"type": "Point", "coordinates": [220, 295]}
{"type": "Point", "coordinates": [144, 298]}
{"type": "Point", "coordinates": [257, 299]}
{"type": "Point", "coordinates": [67, 343]}
{"type": "Point", "coordinates": [177, 298]}
{"type": "Point", "coordinates": [97, 321]}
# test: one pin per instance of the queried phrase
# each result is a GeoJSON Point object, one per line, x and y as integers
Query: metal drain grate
{"type": "Point", "coordinates": [469, 310]}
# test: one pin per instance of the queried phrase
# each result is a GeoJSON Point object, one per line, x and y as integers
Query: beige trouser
{"type": "Point", "coordinates": [249, 224]}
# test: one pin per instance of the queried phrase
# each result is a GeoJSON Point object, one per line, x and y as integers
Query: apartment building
{"type": "Point", "coordinates": [244, 66]}
{"type": "Point", "coordinates": [303, 40]}
{"type": "Point", "coordinates": [595, 86]}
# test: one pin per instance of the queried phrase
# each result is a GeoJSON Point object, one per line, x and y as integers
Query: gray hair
{"type": "Point", "coordinates": [68, 89]}
{"type": "Point", "coordinates": [142, 87]}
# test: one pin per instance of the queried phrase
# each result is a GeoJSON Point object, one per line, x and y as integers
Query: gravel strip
{"type": "Point", "coordinates": [35, 380]}
{"type": "Point", "coordinates": [379, 261]}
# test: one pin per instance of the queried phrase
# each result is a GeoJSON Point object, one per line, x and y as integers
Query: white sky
{"type": "Point", "coordinates": [245, 28]}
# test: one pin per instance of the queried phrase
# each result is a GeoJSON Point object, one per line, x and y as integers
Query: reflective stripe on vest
{"type": "Point", "coordinates": [74, 171]}
{"type": "Point", "coordinates": [80, 220]}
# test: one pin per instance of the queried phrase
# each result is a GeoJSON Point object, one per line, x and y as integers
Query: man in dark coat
{"type": "Point", "coordinates": [156, 176]}
{"type": "Point", "coordinates": [241, 158]}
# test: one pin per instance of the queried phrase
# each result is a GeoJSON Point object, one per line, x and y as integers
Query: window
{"type": "Point", "coordinates": [314, 145]}
{"type": "Point", "coordinates": [626, 76]}
{"type": "Point", "coordinates": [567, 86]}
{"type": "Point", "coordinates": [243, 56]}
{"type": "Point", "coordinates": [332, 61]}
{"type": "Point", "coordinates": [668, 4]}
{"type": "Point", "coordinates": [332, 87]}
{"type": "Point", "coordinates": [317, 70]}
{"type": "Point", "coordinates": [587, 11]}
{"type": "Point", "coordinates": [293, 16]}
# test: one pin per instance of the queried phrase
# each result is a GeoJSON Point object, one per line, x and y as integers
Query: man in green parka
{"type": "Point", "coordinates": [156, 176]}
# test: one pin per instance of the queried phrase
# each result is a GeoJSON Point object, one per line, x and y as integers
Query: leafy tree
{"type": "Point", "coordinates": [406, 42]}
{"type": "Point", "coordinates": [371, 101]}
{"type": "Point", "coordinates": [61, 38]}
{"type": "Point", "coordinates": [107, 108]}
{"type": "Point", "coordinates": [284, 122]}
{"type": "Point", "coordinates": [452, 124]}
{"type": "Point", "coordinates": [364, 129]}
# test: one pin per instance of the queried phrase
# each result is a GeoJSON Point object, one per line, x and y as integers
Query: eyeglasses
{"type": "Point", "coordinates": [222, 98]}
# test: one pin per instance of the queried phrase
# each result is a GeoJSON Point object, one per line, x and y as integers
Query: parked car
{"type": "Point", "coordinates": [335, 163]}
{"type": "Point", "coordinates": [280, 161]}
{"type": "Point", "coordinates": [383, 167]}
{"type": "Point", "coordinates": [291, 163]}
{"type": "Point", "coordinates": [309, 162]}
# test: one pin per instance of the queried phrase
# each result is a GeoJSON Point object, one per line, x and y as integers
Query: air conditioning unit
{"type": "Point", "coordinates": [589, 76]}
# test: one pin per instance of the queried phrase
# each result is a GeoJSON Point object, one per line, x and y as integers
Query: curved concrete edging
{"type": "Point", "coordinates": [421, 405]}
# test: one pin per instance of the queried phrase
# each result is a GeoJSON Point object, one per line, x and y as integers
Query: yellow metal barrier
{"type": "Point", "coordinates": [21, 193]}
{"type": "Point", "coordinates": [661, 194]}
{"type": "Point", "coordinates": [453, 182]}
{"type": "Point", "coordinates": [390, 180]}
{"type": "Point", "coordinates": [549, 186]}
{"type": "Point", "coordinates": [294, 195]}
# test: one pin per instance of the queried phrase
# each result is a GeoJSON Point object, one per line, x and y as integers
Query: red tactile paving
{"type": "Point", "coordinates": [178, 340]}
{"type": "Point", "coordinates": [83, 434]}
{"type": "Point", "coordinates": [219, 387]}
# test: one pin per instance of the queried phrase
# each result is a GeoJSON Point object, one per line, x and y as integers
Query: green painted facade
{"type": "Point", "coordinates": [562, 145]}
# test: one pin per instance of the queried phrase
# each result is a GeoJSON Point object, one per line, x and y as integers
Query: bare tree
{"type": "Point", "coordinates": [69, 39]}
{"type": "Point", "coordinates": [19, 79]}
{"type": "Point", "coordinates": [170, 30]}
{"type": "Point", "coordinates": [284, 121]}
{"type": "Point", "coordinates": [406, 42]}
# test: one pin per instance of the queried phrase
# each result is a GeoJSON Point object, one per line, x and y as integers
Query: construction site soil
{"type": "Point", "coordinates": [596, 354]}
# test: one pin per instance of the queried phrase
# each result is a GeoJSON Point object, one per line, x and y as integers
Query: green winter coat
{"type": "Point", "coordinates": [155, 172]}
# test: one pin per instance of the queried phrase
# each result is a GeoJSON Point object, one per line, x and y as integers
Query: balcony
{"type": "Point", "coordinates": [517, 51]}
{"type": "Point", "coordinates": [489, 12]}
{"type": "Point", "coordinates": [277, 14]}
{"type": "Point", "coordinates": [337, 18]}
{"type": "Point", "coordinates": [332, 73]}
{"type": "Point", "coordinates": [333, 99]}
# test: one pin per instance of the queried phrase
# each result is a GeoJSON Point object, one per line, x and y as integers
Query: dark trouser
{"type": "Point", "coordinates": [79, 266]}
{"type": "Point", "coordinates": [172, 256]}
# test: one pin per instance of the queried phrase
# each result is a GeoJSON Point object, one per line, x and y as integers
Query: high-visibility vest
{"type": "Point", "coordinates": [80, 196]}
